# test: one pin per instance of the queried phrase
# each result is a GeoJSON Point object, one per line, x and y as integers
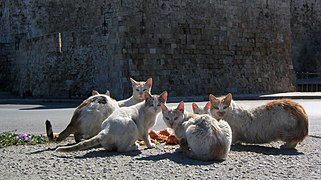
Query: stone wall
{"type": "Point", "coordinates": [66, 48]}
{"type": "Point", "coordinates": [306, 35]}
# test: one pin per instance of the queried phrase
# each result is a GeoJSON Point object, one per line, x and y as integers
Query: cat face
{"type": "Point", "coordinates": [140, 87]}
{"type": "Point", "coordinates": [173, 117]}
{"type": "Point", "coordinates": [198, 110]}
{"type": "Point", "coordinates": [220, 105]}
{"type": "Point", "coordinates": [153, 102]}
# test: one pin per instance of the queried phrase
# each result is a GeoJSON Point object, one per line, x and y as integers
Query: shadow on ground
{"type": "Point", "coordinates": [264, 150]}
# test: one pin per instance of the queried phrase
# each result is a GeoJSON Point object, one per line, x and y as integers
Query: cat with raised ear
{"type": "Point", "coordinates": [204, 110]}
{"type": "Point", "coordinates": [201, 137]}
{"type": "Point", "coordinates": [278, 120]}
{"type": "Point", "coordinates": [87, 118]}
{"type": "Point", "coordinates": [139, 87]}
{"type": "Point", "coordinates": [120, 131]}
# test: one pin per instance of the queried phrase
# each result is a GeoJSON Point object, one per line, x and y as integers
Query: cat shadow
{"type": "Point", "coordinates": [176, 157]}
{"type": "Point", "coordinates": [105, 153]}
{"type": "Point", "coordinates": [265, 150]}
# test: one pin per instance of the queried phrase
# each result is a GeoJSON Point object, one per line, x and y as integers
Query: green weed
{"type": "Point", "coordinates": [12, 139]}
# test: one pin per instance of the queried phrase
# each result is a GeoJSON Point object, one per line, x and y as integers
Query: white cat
{"type": "Point", "coordinates": [201, 136]}
{"type": "Point", "coordinates": [282, 119]}
{"type": "Point", "coordinates": [198, 110]}
{"type": "Point", "coordinates": [138, 92]}
{"type": "Point", "coordinates": [125, 126]}
{"type": "Point", "coordinates": [87, 118]}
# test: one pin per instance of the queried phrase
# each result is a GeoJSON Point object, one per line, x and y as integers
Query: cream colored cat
{"type": "Point", "coordinates": [125, 126]}
{"type": "Point", "coordinates": [282, 119]}
{"type": "Point", "coordinates": [201, 136]}
{"type": "Point", "coordinates": [139, 87]}
{"type": "Point", "coordinates": [198, 110]}
{"type": "Point", "coordinates": [87, 118]}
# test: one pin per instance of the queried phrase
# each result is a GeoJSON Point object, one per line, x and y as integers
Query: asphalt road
{"type": "Point", "coordinates": [30, 118]}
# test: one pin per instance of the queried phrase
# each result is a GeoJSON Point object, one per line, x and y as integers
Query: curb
{"type": "Point", "coordinates": [292, 95]}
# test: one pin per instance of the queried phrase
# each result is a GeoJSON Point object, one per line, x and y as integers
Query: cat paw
{"type": "Point", "coordinates": [288, 146]}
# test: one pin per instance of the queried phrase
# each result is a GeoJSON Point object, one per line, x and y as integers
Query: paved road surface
{"type": "Point", "coordinates": [28, 118]}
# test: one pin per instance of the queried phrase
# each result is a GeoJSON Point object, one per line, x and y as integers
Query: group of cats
{"type": "Point", "coordinates": [206, 134]}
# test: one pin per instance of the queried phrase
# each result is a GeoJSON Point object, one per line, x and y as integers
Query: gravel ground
{"type": "Point", "coordinates": [244, 161]}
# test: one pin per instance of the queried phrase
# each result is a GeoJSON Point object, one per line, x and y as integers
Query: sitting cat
{"type": "Point", "coordinates": [282, 119]}
{"type": "Point", "coordinates": [87, 118]}
{"type": "Point", "coordinates": [198, 110]}
{"type": "Point", "coordinates": [125, 126]}
{"type": "Point", "coordinates": [201, 136]}
{"type": "Point", "coordinates": [138, 92]}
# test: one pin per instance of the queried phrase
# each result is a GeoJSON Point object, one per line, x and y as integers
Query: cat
{"type": "Point", "coordinates": [282, 119]}
{"type": "Point", "coordinates": [125, 126]}
{"type": "Point", "coordinates": [87, 118]}
{"type": "Point", "coordinates": [201, 137]}
{"type": "Point", "coordinates": [198, 110]}
{"type": "Point", "coordinates": [138, 92]}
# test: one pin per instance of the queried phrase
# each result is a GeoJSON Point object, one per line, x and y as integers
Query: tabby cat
{"type": "Point", "coordinates": [201, 136]}
{"type": "Point", "coordinates": [281, 119]}
{"type": "Point", "coordinates": [125, 126]}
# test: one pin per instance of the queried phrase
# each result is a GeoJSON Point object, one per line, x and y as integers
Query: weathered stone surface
{"type": "Point", "coordinates": [66, 48]}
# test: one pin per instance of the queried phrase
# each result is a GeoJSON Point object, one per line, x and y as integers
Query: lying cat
{"type": "Point", "coordinates": [282, 119]}
{"type": "Point", "coordinates": [87, 118]}
{"type": "Point", "coordinates": [201, 136]}
{"type": "Point", "coordinates": [138, 92]}
{"type": "Point", "coordinates": [125, 126]}
{"type": "Point", "coordinates": [198, 110]}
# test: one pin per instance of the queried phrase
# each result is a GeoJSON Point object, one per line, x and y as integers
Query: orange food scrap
{"type": "Point", "coordinates": [172, 140]}
{"type": "Point", "coordinates": [164, 136]}
{"type": "Point", "coordinates": [153, 134]}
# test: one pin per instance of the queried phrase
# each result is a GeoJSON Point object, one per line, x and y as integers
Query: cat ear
{"type": "Point", "coordinates": [163, 96]}
{"type": "Point", "coordinates": [134, 83]}
{"type": "Point", "coordinates": [212, 98]}
{"type": "Point", "coordinates": [94, 92]}
{"type": "Point", "coordinates": [180, 106]}
{"type": "Point", "coordinates": [107, 93]}
{"type": "Point", "coordinates": [149, 82]}
{"type": "Point", "coordinates": [208, 105]}
{"type": "Point", "coordinates": [228, 99]}
{"type": "Point", "coordinates": [164, 108]}
{"type": "Point", "coordinates": [147, 95]}
{"type": "Point", "coordinates": [194, 106]}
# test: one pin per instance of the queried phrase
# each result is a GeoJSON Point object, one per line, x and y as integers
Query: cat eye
{"type": "Point", "coordinates": [144, 89]}
{"type": "Point", "coordinates": [137, 89]}
{"type": "Point", "coordinates": [215, 107]}
{"type": "Point", "coordinates": [175, 118]}
{"type": "Point", "coordinates": [167, 118]}
{"type": "Point", "coordinates": [225, 107]}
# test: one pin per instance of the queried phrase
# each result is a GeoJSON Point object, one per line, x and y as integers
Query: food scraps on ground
{"type": "Point", "coordinates": [163, 136]}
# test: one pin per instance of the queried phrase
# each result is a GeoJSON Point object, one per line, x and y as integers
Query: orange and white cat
{"type": "Point", "coordinates": [139, 87]}
{"type": "Point", "coordinates": [87, 118]}
{"type": "Point", "coordinates": [198, 110]}
{"type": "Point", "coordinates": [282, 119]}
{"type": "Point", "coordinates": [201, 137]}
{"type": "Point", "coordinates": [125, 126]}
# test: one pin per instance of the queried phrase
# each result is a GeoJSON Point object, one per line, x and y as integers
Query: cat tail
{"type": "Point", "coordinates": [86, 144]}
{"type": "Point", "coordinates": [49, 131]}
